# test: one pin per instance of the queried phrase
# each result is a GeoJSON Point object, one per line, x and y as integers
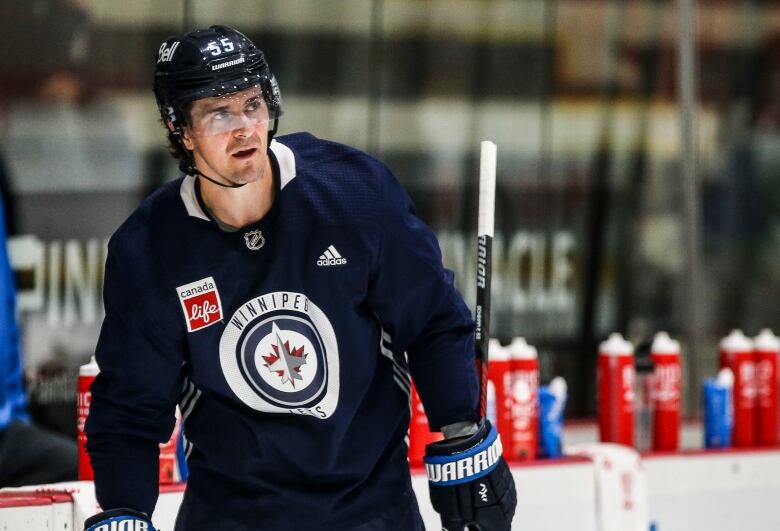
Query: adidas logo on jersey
{"type": "Point", "coordinates": [331, 257]}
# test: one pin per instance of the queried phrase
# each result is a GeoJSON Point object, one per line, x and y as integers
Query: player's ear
{"type": "Point", "coordinates": [186, 139]}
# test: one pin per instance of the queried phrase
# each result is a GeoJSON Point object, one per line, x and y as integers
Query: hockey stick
{"type": "Point", "coordinates": [487, 202]}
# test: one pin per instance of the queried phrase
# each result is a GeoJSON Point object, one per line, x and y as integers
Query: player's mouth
{"type": "Point", "coordinates": [244, 153]}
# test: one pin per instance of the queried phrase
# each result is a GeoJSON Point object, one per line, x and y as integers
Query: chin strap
{"type": "Point", "coordinates": [195, 170]}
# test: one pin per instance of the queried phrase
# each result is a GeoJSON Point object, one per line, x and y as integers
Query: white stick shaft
{"type": "Point", "coordinates": [487, 188]}
{"type": "Point", "coordinates": [487, 199]}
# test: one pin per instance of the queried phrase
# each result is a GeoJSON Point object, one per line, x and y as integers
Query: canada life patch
{"type": "Point", "coordinates": [201, 304]}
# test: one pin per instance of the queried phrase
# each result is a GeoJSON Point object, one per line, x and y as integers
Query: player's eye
{"type": "Point", "coordinates": [252, 106]}
{"type": "Point", "coordinates": [220, 115]}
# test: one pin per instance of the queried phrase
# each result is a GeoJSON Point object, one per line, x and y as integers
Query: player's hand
{"type": "Point", "coordinates": [124, 519]}
{"type": "Point", "coordinates": [470, 482]}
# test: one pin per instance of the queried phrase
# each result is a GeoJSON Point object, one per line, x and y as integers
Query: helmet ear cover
{"type": "Point", "coordinates": [175, 119]}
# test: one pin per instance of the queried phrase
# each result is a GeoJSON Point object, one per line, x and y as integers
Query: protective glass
{"type": "Point", "coordinates": [246, 109]}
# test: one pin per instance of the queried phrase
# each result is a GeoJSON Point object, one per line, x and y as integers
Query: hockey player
{"type": "Point", "coordinates": [281, 293]}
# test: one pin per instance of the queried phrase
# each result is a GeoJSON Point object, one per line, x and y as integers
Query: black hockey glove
{"type": "Point", "coordinates": [119, 519]}
{"type": "Point", "coordinates": [470, 482]}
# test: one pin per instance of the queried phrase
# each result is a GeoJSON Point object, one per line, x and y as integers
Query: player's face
{"type": "Point", "coordinates": [228, 135]}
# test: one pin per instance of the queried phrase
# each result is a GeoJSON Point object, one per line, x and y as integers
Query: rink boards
{"type": "Point", "coordinates": [686, 492]}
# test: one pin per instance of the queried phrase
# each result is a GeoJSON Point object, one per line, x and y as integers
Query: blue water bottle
{"type": "Point", "coordinates": [718, 410]}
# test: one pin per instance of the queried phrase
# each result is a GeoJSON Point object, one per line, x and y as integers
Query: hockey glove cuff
{"type": "Point", "coordinates": [115, 519]}
{"type": "Point", "coordinates": [470, 482]}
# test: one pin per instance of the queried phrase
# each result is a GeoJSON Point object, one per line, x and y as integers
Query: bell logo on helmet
{"type": "Point", "coordinates": [165, 53]}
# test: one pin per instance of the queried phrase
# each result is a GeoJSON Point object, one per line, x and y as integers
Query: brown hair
{"type": "Point", "coordinates": [176, 145]}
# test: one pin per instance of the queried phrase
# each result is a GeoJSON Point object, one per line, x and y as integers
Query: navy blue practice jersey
{"type": "Point", "coordinates": [287, 344]}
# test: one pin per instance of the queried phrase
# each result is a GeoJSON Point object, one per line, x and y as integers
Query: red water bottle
{"type": "Point", "coordinates": [525, 401]}
{"type": "Point", "coordinates": [767, 352]}
{"type": "Point", "coordinates": [616, 387]}
{"type": "Point", "coordinates": [501, 377]}
{"type": "Point", "coordinates": [419, 432]}
{"type": "Point", "coordinates": [168, 472]}
{"type": "Point", "coordinates": [736, 353]}
{"type": "Point", "coordinates": [87, 375]}
{"type": "Point", "coordinates": [666, 392]}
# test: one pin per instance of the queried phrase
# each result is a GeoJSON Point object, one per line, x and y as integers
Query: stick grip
{"type": "Point", "coordinates": [487, 188]}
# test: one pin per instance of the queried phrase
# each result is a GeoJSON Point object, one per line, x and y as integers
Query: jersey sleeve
{"type": "Point", "coordinates": [134, 396]}
{"type": "Point", "coordinates": [414, 297]}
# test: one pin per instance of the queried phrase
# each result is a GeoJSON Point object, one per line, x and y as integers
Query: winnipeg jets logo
{"type": "Point", "coordinates": [279, 354]}
{"type": "Point", "coordinates": [285, 361]}
{"type": "Point", "coordinates": [254, 239]}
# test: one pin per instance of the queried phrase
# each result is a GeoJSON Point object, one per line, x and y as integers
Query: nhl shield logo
{"type": "Point", "coordinates": [254, 239]}
{"type": "Point", "coordinates": [278, 353]}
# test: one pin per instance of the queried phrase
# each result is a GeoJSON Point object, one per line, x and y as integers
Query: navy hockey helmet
{"type": "Point", "coordinates": [210, 62]}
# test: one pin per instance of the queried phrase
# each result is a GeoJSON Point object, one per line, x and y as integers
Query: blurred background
{"type": "Point", "coordinates": [595, 232]}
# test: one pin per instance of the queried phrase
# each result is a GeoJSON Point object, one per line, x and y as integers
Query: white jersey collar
{"type": "Point", "coordinates": [286, 160]}
{"type": "Point", "coordinates": [284, 157]}
{"type": "Point", "coordinates": [187, 193]}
